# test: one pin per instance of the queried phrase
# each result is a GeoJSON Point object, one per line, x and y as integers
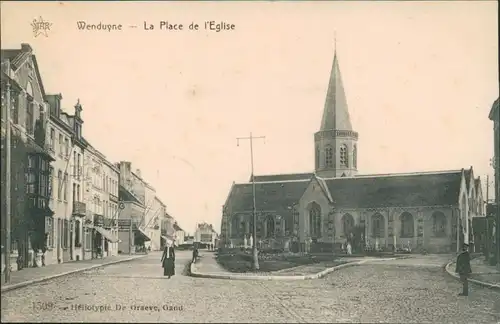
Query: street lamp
{"type": "Point", "coordinates": [255, 259]}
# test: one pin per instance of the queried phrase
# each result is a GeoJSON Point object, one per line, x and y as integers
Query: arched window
{"type": "Point", "coordinates": [328, 157]}
{"type": "Point", "coordinates": [270, 226]}
{"type": "Point", "coordinates": [234, 226]}
{"type": "Point", "coordinates": [438, 224]}
{"type": "Point", "coordinates": [407, 225]}
{"type": "Point", "coordinates": [316, 159]}
{"type": "Point", "coordinates": [347, 224]}
{"type": "Point", "coordinates": [378, 226]}
{"type": "Point", "coordinates": [315, 220]}
{"type": "Point", "coordinates": [344, 156]}
{"type": "Point", "coordinates": [355, 156]}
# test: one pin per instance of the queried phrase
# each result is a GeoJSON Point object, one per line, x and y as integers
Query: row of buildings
{"type": "Point", "coordinates": [431, 211]}
{"type": "Point", "coordinates": [68, 202]}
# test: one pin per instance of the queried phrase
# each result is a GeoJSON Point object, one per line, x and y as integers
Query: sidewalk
{"type": "Point", "coordinates": [207, 267]}
{"type": "Point", "coordinates": [482, 273]}
{"type": "Point", "coordinates": [28, 276]}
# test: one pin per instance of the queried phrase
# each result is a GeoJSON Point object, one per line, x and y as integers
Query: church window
{"type": "Point", "coordinates": [329, 157]}
{"type": "Point", "coordinates": [378, 226]}
{"type": "Point", "coordinates": [316, 159]}
{"type": "Point", "coordinates": [315, 220]}
{"type": "Point", "coordinates": [347, 224]}
{"type": "Point", "coordinates": [270, 226]}
{"type": "Point", "coordinates": [355, 156]}
{"type": "Point", "coordinates": [438, 224]}
{"type": "Point", "coordinates": [407, 224]}
{"type": "Point", "coordinates": [344, 158]}
{"type": "Point", "coordinates": [234, 227]}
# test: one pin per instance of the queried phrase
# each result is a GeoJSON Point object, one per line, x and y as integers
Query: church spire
{"type": "Point", "coordinates": [335, 113]}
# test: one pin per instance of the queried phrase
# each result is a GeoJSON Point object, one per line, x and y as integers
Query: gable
{"type": "Point", "coordinates": [28, 77]}
{"type": "Point", "coordinates": [316, 189]}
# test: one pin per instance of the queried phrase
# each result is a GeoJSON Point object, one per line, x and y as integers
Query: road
{"type": "Point", "coordinates": [396, 291]}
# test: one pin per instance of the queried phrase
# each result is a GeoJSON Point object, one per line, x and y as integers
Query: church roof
{"type": "Point", "coordinates": [282, 177]}
{"type": "Point", "coordinates": [336, 112]}
{"type": "Point", "coordinates": [398, 190]}
{"type": "Point", "coordinates": [276, 196]}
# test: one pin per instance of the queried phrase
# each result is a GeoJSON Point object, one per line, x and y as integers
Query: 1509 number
{"type": "Point", "coordinates": [43, 306]}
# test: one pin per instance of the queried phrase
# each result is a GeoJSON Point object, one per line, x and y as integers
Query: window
{"type": "Point", "coordinates": [78, 193]}
{"type": "Point", "coordinates": [59, 184]}
{"type": "Point", "coordinates": [234, 227]}
{"type": "Point", "coordinates": [61, 144]}
{"type": "Point", "coordinates": [88, 239]}
{"type": "Point", "coordinates": [344, 158]}
{"type": "Point", "coordinates": [66, 148]}
{"type": "Point", "coordinates": [51, 182]}
{"type": "Point", "coordinates": [378, 226]}
{"type": "Point", "coordinates": [65, 234]}
{"type": "Point", "coordinates": [438, 224]}
{"type": "Point", "coordinates": [53, 233]}
{"type": "Point", "coordinates": [347, 224]}
{"type": "Point", "coordinates": [52, 140]}
{"type": "Point", "coordinates": [77, 232]}
{"type": "Point", "coordinates": [315, 220]}
{"type": "Point", "coordinates": [407, 225]}
{"type": "Point", "coordinates": [65, 185]}
{"type": "Point", "coordinates": [316, 159]}
{"type": "Point", "coordinates": [49, 231]}
{"type": "Point", "coordinates": [75, 166]}
{"type": "Point", "coordinates": [329, 157]}
{"type": "Point", "coordinates": [270, 226]}
{"type": "Point", "coordinates": [44, 178]}
{"type": "Point", "coordinates": [355, 156]}
{"type": "Point", "coordinates": [31, 176]}
{"type": "Point", "coordinates": [79, 169]}
{"type": "Point", "coordinates": [14, 98]}
{"type": "Point", "coordinates": [30, 120]}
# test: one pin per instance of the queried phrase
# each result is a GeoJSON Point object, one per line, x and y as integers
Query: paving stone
{"type": "Point", "coordinates": [376, 292]}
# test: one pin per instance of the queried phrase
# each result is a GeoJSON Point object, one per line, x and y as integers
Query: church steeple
{"type": "Point", "coordinates": [336, 151]}
{"type": "Point", "coordinates": [335, 112]}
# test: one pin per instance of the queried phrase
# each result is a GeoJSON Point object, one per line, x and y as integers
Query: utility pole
{"type": "Point", "coordinates": [130, 237]}
{"type": "Point", "coordinates": [8, 177]}
{"type": "Point", "coordinates": [255, 263]}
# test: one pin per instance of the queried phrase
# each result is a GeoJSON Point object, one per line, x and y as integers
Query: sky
{"type": "Point", "coordinates": [420, 79]}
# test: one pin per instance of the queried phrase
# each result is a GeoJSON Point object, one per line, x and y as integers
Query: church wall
{"type": "Point", "coordinates": [313, 193]}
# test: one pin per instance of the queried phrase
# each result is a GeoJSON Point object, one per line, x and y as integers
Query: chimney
{"type": "Point", "coordinates": [25, 47]}
{"type": "Point", "coordinates": [138, 173]}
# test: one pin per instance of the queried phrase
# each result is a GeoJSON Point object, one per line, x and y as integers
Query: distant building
{"type": "Point", "coordinates": [495, 117]}
{"type": "Point", "coordinates": [205, 234]}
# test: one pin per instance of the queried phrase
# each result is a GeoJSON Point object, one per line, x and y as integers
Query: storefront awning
{"type": "Point", "coordinates": [107, 235]}
{"type": "Point", "coordinates": [145, 236]}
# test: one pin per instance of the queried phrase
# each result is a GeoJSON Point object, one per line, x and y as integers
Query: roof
{"type": "Point", "coordinates": [477, 183]}
{"type": "Point", "coordinates": [398, 190]}
{"type": "Point", "coordinates": [125, 195]}
{"type": "Point", "coordinates": [275, 195]}
{"type": "Point", "coordinates": [467, 174]}
{"type": "Point", "coordinates": [18, 56]}
{"type": "Point", "coordinates": [494, 114]}
{"type": "Point", "coordinates": [283, 177]}
{"type": "Point", "coordinates": [177, 227]}
{"type": "Point", "coordinates": [335, 113]}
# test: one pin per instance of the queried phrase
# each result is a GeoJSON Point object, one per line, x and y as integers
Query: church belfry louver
{"type": "Point", "coordinates": [335, 143]}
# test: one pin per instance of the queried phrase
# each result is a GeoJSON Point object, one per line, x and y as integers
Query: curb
{"type": "Point", "coordinates": [6, 288]}
{"type": "Point", "coordinates": [477, 282]}
{"type": "Point", "coordinates": [318, 275]}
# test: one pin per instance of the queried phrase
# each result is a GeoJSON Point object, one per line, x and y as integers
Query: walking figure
{"type": "Point", "coordinates": [195, 254]}
{"type": "Point", "coordinates": [463, 269]}
{"type": "Point", "coordinates": [168, 260]}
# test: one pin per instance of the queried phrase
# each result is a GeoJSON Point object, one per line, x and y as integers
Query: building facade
{"type": "Point", "coordinates": [495, 117]}
{"type": "Point", "coordinates": [320, 210]}
{"type": "Point", "coordinates": [152, 227]}
{"type": "Point", "coordinates": [23, 95]}
{"type": "Point", "coordinates": [136, 197]}
{"type": "Point", "coordinates": [206, 235]}
{"type": "Point", "coordinates": [110, 178]}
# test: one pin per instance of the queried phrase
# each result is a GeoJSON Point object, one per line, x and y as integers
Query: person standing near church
{"type": "Point", "coordinates": [463, 268]}
{"type": "Point", "coordinates": [168, 260]}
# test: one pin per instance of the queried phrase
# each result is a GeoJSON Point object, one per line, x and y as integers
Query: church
{"type": "Point", "coordinates": [321, 210]}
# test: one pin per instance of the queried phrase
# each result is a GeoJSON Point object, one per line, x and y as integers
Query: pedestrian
{"type": "Point", "coordinates": [168, 260]}
{"type": "Point", "coordinates": [195, 254]}
{"type": "Point", "coordinates": [463, 269]}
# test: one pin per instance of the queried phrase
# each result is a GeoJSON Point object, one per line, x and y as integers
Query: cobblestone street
{"type": "Point", "coordinates": [375, 292]}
